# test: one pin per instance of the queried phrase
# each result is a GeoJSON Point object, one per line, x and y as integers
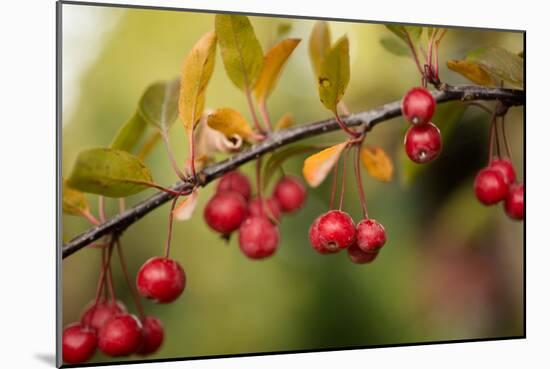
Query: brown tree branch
{"type": "Point", "coordinates": [367, 119]}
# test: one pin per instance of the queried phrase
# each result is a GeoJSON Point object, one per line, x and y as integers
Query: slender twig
{"type": "Point", "coordinates": [367, 119]}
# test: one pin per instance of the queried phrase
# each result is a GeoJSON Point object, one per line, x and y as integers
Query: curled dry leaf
{"type": "Point", "coordinates": [285, 121]}
{"type": "Point", "coordinates": [231, 123]}
{"type": "Point", "coordinates": [184, 210]}
{"type": "Point", "coordinates": [377, 163]}
{"type": "Point", "coordinates": [471, 71]}
{"type": "Point", "coordinates": [318, 166]}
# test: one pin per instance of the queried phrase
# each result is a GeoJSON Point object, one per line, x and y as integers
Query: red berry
{"type": "Point", "coordinates": [506, 168]}
{"type": "Point", "coordinates": [336, 230]}
{"type": "Point", "coordinates": [235, 182]}
{"type": "Point", "coordinates": [371, 235]}
{"type": "Point", "coordinates": [271, 208]}
{"type": "Point", "coordinates": [120, 336]}
{"type": "Point", "coordinates": [225, 212]}
{"type": "Point", "coordinates": [79, 343]}
{"type": "Point", "coordinates": [95, 316]}
{"type": "Point", "coordinates": [490, 186]}
{"type": "Point", "coordinates": [290, 193]}
{"type": "Point", "coordinates": [423, 143]}
{"type": "Point", "coordinates": [514, 205]}
{"type": "Point", "coordinates": [358, 256]}
{"type": "Point", "coordinates": [258, 237]}
{"type": "Point", "coordinates": [314, 239]}
{"type": "Point", "coordinates": [161, 279]}
{"type": "Point", "coordinates": [418, 105]}
{"type": "Point", "coordinates": [153, 335]}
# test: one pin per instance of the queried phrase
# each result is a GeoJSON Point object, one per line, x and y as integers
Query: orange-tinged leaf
{"type": "Point", "coordinates": [471, 71]}
{"type": "Point", "coordinates": [74, 202]}
{"type": "Point", "coordinates": [274, 60]}
{"type": "Point", "coordinates": [319, 44]}
{"type": "Point", "coordinates": [377, 163]}
{"type": "Point", "coordinates": [230, 122]}
{"type": "Point", "coordinates": [184, 210]}
{"type": "Point", "coordinates": [285, 121]}
{"type": "Point", "coordinates": [195, 75]}
{"type": "Point", "coordinates": [318, 166]}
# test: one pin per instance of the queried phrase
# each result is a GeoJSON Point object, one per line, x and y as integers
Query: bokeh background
{"type": "Point", "coordinates": [452, 269]}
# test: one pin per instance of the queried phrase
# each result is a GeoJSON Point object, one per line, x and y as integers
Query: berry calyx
{"type": "Point", "coordinates": [235, 181]}
{"type": "Point", "coordinates": [514, 204]}
{"type": "Point", "coordinates": [423, 143]}
{"type": "Point", "coordinates": [371, 235]}
{"type": "Point", "coordinates": [418, 105]}
{"type": "Point", "coordinates": [270, 208]}
{"type": "Point", "coordinates": [358, 256]}
{"type": "Point", "coordinates": [96, 315]}
{"type": "Point", "coordinates": [490, 186]}
{"type": "Point", "coordinates": [160, 279]}
{"type": "Point", "coordinates": [120, 336]}
{"type": "Point", "coordinates": [258, 237]}
{"type": "Point", "coordinates": [79, 343]}
{"type": "Point", "coordinates": [506, 168]}
{"type": "Point", "coordinates": [225, 212]}
{"type": "Point", "coordinates": [153, 335]}
{"type": "Point", "coordinates": [336, 230]}
{"type": "Point", "coordinates": [290, 193]}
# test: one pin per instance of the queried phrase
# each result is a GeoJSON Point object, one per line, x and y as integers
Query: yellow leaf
{"type": "Point", "coordinates": [74, 202]}
{"type": "Point", "coordinates": [285, 121]}
{"type": "Point", "coordinates": [318, 166]}
{"type": "Point", "coordinates": [274, 61]}
{"type": "Point", "coordinates": [184, 210]}
{"type": "Point", "coordinates": [230, 122]}
{"type": "Point", "coordinates": [319, 44]}
{"type": "Point", "coordinates": [196, 72]}
{"type": "Point", "coordinates": [471, 71]}
{"type": "Point", "coordinates": [334, 75]}
{"type": "Point", "coordinates": [377, 163]}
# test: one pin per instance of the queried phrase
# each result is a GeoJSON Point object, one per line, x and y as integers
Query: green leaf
{"type": "Point", "coordinates": [449, 114]}
{"type": "Point", "coordinates": [334, 75]}
{"type": "Point", "coordinates": [73, 202]}
{"type": "Point", "coordinates": [241, 51]}
{"type": "Point", "coordinates": [130, 133]}
{"type": "Point", "coordinates": [196, 73]}
{"type": "Point", "coordinates": [319, 44]}
{"type": "Point", "coordinates": [404, 32]}
{"type": "Point", "coordinates": [109, 172]}
{"type": "Point", "coordinates": [277, 159]}
{"type": "Point", "coordinates": [394, 46]}
{"type": "Point", "coordinates": [499, 62]}
{"type": "Point", "coordinates": [159, 104]}
{"type": "Point", "coordinates": [283, 28]}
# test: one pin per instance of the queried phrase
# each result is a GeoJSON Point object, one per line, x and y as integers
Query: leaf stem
{"type": "Point", "coordinates": [265, 115]}
{"type": "Point", "coordinates": [253, 111]}
{"type": "Point", "coordinates": [345, 128]}
{"type": "Point", "coordinates": [414, 53]}
{"type": "Point", "coordinates": [170, 153]}
{"type": "Point", "coordinates": [90, 217]}
{"type": "Point", "coordinates": [131, 286]}
{"type": "Point", "coordinates": [101, 208]}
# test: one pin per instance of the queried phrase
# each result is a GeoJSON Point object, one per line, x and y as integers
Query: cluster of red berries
{"type": "Point", "coordinates": [496, 183]}
{"type": "Point", "coordinates": [423, 139]}
{"type": "Point", "coordinates": [108, 326]}
{"type": "Point", "coordinates": [334, 231]}
{"type": "Point", "coordinates": [231, 209]}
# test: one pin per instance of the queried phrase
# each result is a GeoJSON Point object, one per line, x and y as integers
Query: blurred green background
{"type": "Point", "coordinates": [451, 269]}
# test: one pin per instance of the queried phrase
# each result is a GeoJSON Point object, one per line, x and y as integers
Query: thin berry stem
{"type": "Point", "coordinates": [362, 196]}
{"type": "Point", "coordinates": [505, 136]}
{"type": "Point", "coordinates": [121, 205]}
{"type": "Point", "coordinates": [497, 137]}
{"type": "Point", "coordinates": [491, 137]}
{"type": "Point", "coordinates": [135, 295]}
{"type": "Point", "coordinates": [110, 283]}
{"type": "Point", "coordinates": [259, 184]}
{"type": "Point", "coordinates": [334, 185]}
{"type": "Point", "coordinates": [170, 224]}
{"type": "Point", "coordinates": [170, 152]}
{"type": "Point", "coordinates": [343, 182]}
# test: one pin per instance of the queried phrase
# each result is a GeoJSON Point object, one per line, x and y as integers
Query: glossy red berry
{"type": "Point", "coordinates": [79, 343]}
{"type": "Point", "coordinates": [161, 279]}
{"type": "Point", "coordinates": [290, 194]}
{"type": "Point", "coordinates": [314, 239]}
{"type": "Point", "coordinates": [235, 181]}
{"type": "Point", "coordinates": [418, 105]}
{"type": "Point", "coordinates": [336, 230]}
{"type": "Point", "coordinates": [514, 205]}
{"type": "Point", "coordinates": [371, 235]}
{"type": "Point", "coordinates": [258, 237]}
{"type": "Point", "coordinates": [120, 336]}
{"type": "Point", "coordinates": [506, 168]}
{"type": "Point", "coordinates": [153, 335]}
{"type": "Point", "coordinates": [423, 143]}
{"type": "Point", "coordinates": [225, 212]}
{"type": "Point", "coordinates": [358, 256]}
{"type": "Point", "coordinates": [271, 208]}
{"type": "Point", "coordinates": [490, 186]}
{"type": "Point", "coordinates": [96, 315]}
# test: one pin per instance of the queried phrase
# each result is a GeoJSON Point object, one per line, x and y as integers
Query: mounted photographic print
{"type": "Point", "coordinates": [239, 184]}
